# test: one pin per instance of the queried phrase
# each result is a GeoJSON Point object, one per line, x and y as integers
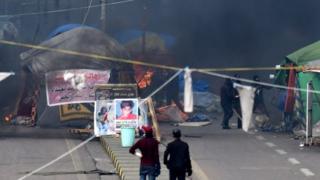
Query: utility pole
{"type": "Point", "coordinates": [103, 16]}
{"type": "Point", "coordinates": [144, 28]}
{"type": "Point", "coordinates": [57, 4]}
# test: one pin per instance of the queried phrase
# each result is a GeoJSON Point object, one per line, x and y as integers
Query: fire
{"type": "Point", "coordinates": [8, 118]}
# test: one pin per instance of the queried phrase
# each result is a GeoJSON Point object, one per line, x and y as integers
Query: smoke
{"type": "Point", "coordinates": [209, 33]}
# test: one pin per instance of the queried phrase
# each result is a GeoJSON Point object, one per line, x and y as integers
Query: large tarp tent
{"type": "Point", "coordinates": [9, 62]}
{"type": "Point", "coordinates": [80, 39]}
{"type": "Point", "coordinates": [309, 57]}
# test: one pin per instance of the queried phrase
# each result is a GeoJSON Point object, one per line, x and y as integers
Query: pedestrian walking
{"type": "Point", "coordinates": [149, 148]}
{"type": "Point", "coordinates": [177, 158]}
{"type": "Point", "coordinates": [226, 100]}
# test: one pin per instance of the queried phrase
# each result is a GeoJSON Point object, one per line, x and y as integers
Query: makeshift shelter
{"type": "Point", "coordinates": [9, 88]}
{"type": "Point", "coordinates": [309, 58]}
{"type": "Point", "coordinates": [85, 40]}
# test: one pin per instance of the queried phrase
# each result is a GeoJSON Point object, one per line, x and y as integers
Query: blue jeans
{"type": "Point", "coordinates": [147, 171]}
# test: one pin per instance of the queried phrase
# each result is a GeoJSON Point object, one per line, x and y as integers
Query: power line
{"type": "Point", "coordinates": [136, 62]}
{"type": "Point", "coordinates": [87, 13]}
{"type": "Point", "coordinates": [67, 10]}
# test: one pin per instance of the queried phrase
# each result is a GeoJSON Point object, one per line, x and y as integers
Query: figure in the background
{"type": "Point", "coordinates": [236, 102]}
{"type": "Point", "coordinates": [226, 99]}
{"type": "Point", "coordinates": [172, 91]}
{"type": "Point", "coordinates": [259, 105]}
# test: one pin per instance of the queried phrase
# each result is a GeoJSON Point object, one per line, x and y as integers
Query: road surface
{"type": "Point", "coordinates": [26, 149]}
{"type": "Point", "coordinates": [236, 155]}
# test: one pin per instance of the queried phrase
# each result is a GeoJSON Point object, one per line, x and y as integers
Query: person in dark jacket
{"type": "Point", "coordinates": [226, 100]}
{"type": "Point", "coordinates": [236, 102]}
{"type": "Point", "coordinates": [259, 105]}
{"type": "Point", "coordinates": [177, 158]}
{"type": "Point", "coordinates": [149, 147]}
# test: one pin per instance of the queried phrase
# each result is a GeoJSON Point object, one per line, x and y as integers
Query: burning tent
{"type": "Point", "coordinates": [79, 39]}
{"type": "Point", "coordinates": [309, 58]}
{"type": "Point", "coordinates": [150, 47]}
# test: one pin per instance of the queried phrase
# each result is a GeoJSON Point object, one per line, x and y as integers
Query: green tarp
{"type": "Point", "coordinates": [305, 55]}
{"type": "Point", "coordinates": [309, 55]}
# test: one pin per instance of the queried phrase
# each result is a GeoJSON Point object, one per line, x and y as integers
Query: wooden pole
{"type": "Point", "coordinates": [154, 119]}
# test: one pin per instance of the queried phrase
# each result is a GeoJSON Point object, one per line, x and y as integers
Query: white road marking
{"type": "Point", "coordinates": [270, 144]}
{"type": "Point", "coordinates": [280, 151]}
{"type": "Point", "coordinates": [260, 137]}
{"type": "Point", "coordinates": [76, 161]}
{"type": "Point", "coordinates": [306, 172]}
{"type": "Point", "coordinates": [293, 161]}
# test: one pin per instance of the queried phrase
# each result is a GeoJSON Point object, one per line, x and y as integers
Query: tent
{"type": "Point", "coordinates": [78, 39]}
{"type": "Point", "coordinates": [9, 60]}
{"type": "Point", "coordinates": [81, 39]}
{"type": "Point", "coordinates": [308, 57]}
{"type": "Point", "coordinates": [63, 29]}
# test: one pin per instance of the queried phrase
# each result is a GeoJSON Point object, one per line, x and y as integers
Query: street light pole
{"type": "Point", "coordinates": [103, 16]}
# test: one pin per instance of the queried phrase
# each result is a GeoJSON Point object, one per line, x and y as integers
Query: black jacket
{"type": "Point", "coordinates": [227, 94]}
{"type": "Point", "coordinates": [179, 157]}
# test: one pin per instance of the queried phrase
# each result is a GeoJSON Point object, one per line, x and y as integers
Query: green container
{"type": "Point", "coordinates": [127, 137]}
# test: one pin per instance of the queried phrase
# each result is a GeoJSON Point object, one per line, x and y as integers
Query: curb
{"type": "Point", "coordinates": [126, 165]}
{"type": "Point", "coordinates": [113, 157]}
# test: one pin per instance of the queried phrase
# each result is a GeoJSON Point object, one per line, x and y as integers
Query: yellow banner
{"type": "Point", "coordinates": [75, 112]}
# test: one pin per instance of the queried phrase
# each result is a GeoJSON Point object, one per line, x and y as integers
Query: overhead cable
{"type": "Point", "coordinates": [66, 10]}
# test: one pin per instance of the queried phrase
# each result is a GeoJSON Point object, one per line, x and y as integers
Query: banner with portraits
{"type": "Point", "coordinates": [126, 113]}
{"type": "Point", "coordinates": [104, 121]}
{"type": "Point", "coordinates": [116, 106]}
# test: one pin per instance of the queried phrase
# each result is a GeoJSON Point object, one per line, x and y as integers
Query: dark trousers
{"type": "Point", "coordinates": [237, 108]}
{"type": "Point", "coordinates": [147, 171]}
{"type": "Point", "coordinates": [177, 174]}
{"type": "Point", "coordinates": [227, 114]}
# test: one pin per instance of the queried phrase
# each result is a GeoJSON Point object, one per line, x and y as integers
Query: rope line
{"type": "Point", "coordinates": [162, 86]}
{"type": "Point", "coordinates": [204, 71]}
{"type": "Point", "coordinates": [68, 9]}
{"type": "Point", "coordinates": [298, 68]}
{"type": "Point", "coordinates": [87, 13]}
{"type": "Point", "coordinates": [257, 82]}
{"type": "Point", "coordinates": [137, 62]}
{"type": "Point", "coordinates": [58, 158]}
{"type": "Point", "coordinates": [95, 56]}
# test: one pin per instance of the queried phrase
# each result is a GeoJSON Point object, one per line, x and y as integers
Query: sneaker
{"type": "Point", "coordinates": [226, 127]}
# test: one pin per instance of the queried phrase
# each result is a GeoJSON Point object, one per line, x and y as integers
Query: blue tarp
{"type": "Point", "coordinates": [129, 35]}
{"type": "Point", "coordinates": [64, 28]}
{"type": "Point", "coordinates": [197, 85]}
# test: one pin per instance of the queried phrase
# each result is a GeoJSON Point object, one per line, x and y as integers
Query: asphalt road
{"type": "Point", "coordinates": [236, 155]}
{"type": "Point", "coordinates": [25, 149]}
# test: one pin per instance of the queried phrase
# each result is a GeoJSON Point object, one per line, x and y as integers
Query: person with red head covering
{"type": "Point", "coordinates": [149, 147]}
